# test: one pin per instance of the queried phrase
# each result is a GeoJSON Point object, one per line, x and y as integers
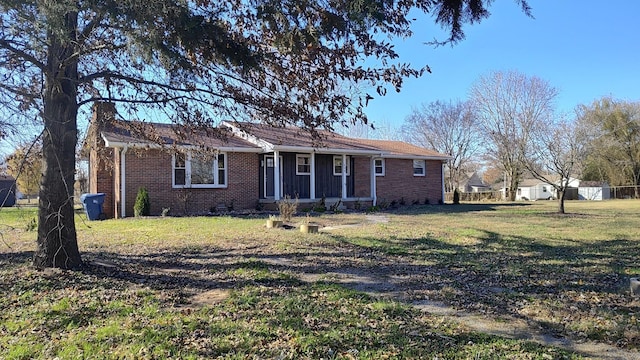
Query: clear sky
{"type": "Point", "coordinates": [585, 48]}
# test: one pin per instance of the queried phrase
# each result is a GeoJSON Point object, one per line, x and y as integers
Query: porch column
{"type": "Point", "coordinates": [312, 177]}
{"type": "Point", "coordinates": [372, 174]}
{"type": "Point", "coordinates": [344, 176]}
{"type": "Point", "coordinates": [276, 175]}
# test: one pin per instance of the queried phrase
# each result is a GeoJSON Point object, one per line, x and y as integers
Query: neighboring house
{"type": "Point", "coordinates": [473, 183]}
{"type": "Point", "coordinates": [594, 190]}
{"type": "Point", "coordinates": [252, 166]}
{"type": "Point", "coordinates": [7, 191]}
{"type": "Point", "coordinates": [535, 189]}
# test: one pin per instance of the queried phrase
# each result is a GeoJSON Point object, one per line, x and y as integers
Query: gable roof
{"type": "Point", "coordinates": [297, 139]}
{"type": "Point", "coordinates": [393, 148]}
{"type": "Point", "coordinates": [119, 133]}
{"type": "Point", "coordinates": [251, 137]}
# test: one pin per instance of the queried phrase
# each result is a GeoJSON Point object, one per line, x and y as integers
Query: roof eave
{"type": "Point", "coordinates": [122, 144]}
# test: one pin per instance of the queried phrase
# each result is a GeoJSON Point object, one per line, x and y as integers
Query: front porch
{"type": "Point", "coordinates": [310, 204]}
{"type": "Point", "coordinates": [314, 177]}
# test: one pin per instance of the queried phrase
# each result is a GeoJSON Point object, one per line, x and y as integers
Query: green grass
{"type": "Point", "coordinates": [566, 274]}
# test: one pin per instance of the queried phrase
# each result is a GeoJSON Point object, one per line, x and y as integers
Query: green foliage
{"type": "Point", "coordinates": [142, 206]}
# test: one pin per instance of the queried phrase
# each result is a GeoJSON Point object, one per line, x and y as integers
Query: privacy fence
{"type": "Point", "coordinates": [614, 192]}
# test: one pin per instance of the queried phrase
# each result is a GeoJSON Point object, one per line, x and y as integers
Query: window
{"type": "Point", "coordinates": [419, 168]}
{"type": "Point", "coordinates": [303, 165]}
{"type": "Point", "coordinates": [378, 165]}
{"type": "Point", "coordinates": [544, 189]}
{"type": "Point", "coordinates": [179, 170]}
{"type": "Point", "coordinates": [199, 170]}
{"type": "Point", "coordinates": [337, 165]}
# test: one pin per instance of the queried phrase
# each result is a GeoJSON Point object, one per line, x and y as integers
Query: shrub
{"type": "Point", "coordinates": [336, 206]}
{"type": "Point", "coordinates": [287, 207]}
{"type": "Point", "coordinates": [142, 207]}
{"type": "Point", "coordinates": [456, 197]}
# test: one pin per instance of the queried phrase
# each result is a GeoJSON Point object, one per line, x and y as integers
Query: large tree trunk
{"type": "Point", "coordinates": [57, 242]}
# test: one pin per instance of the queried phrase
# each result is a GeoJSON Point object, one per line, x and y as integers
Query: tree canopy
{"type": "Point", "coordinates": [25, 165]}
{"type": "Point", "coordinates": [509, 106]}
{"type": "Point", "coordinates": [449, 128]}
{"type": "Point", "coordinates": [197, 61]}
{"type": "Point", "coordinates": [613, 128]}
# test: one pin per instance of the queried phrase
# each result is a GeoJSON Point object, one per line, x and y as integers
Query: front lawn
{"type": "Point", "coordinates": [223, 287]}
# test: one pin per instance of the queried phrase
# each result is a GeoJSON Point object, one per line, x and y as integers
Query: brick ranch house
{"type": "Point", "coordinates": [251, 166]}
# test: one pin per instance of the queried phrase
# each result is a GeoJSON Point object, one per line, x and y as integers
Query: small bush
{"type": "Point", "coordinates": [287, 207]}
{"type": "Point", "coordinates": [142, 207]}
{"type": "Point", "coordinates": [357, 205]}
{"type": "Point", "coordinates": [456, 197]}
{"type": "Point", "coordinates": [383, 204]}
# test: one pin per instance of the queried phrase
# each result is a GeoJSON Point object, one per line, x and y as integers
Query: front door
{"type": "Point", "coordinates": [269, 171]}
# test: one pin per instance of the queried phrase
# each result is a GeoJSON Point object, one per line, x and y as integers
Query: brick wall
{"type": "Point", "coordinates": [362, 166]}
{"type": "Point", "coordinates": [399, 182]}
{"type": "Point", "coordinates": [152, 169]}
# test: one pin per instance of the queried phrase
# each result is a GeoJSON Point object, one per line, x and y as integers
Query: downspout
{"type": "Point", "coordinates": [123, 184]}
{"type": "Point", "coordinates": [374, 194]}
{"type": "Point", "coordinates": [442, 183]}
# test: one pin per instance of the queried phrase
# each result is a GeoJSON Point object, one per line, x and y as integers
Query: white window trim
{"type": "Point", "coordinates": [423, 167]}
{"type": "Point", "coordinates": [382, 165]}
{"type": "Point", "coordinates": [339, 157]}
{"type": "Point", "coordinates": [298, 164]}
{"type": "Point", "coordinates": [187, 176]}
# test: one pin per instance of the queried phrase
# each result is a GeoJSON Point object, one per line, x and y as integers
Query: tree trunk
{"type": "Point", "coordinates": [561, 196]}
{"type": "Point", "coordinates": [57, 242]}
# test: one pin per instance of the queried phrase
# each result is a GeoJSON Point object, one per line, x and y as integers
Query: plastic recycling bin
{"type": "Point", "coordinates": [92, 204]}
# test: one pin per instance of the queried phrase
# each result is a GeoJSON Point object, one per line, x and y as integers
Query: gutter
{"type": "Point", "coordinates": [123, 182]}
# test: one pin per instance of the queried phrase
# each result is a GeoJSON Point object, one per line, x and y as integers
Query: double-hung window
{"type": "Point", "coordinates": [378, 165]}
{"type": "Point", "coordinates": [303, 164]}
{"type": "Point", "coordinates": [419, 168]}
{"type": "Point", "coordinates": [337, 165]}
{"type": "Point", "coordinates": [200, 170]}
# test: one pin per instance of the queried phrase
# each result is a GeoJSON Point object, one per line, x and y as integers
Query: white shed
{"type": "Point", "coordinates": [594, 190]}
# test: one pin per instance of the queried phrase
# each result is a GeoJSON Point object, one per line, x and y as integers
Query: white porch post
{"type": "Point", "coordinates": [123, 184]}
{"type": "Point", "coordinates": [312, 177]}
{"type": "Point", "coordinates": [373, 180]}
{"type": "Point", "coordinates": [276, 175]}
{"type": "Point", "coordinates": [344, 176]}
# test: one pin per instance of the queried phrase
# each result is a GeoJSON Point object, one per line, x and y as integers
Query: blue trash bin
{"type": "Point", "coordinates": [92, 204]}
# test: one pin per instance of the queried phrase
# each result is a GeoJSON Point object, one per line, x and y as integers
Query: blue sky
{"type": "Point", "coordinates": [586, 49]}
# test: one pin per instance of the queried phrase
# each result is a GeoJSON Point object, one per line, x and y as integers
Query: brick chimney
{"type": "Point", "coordinates": [103, 162]}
